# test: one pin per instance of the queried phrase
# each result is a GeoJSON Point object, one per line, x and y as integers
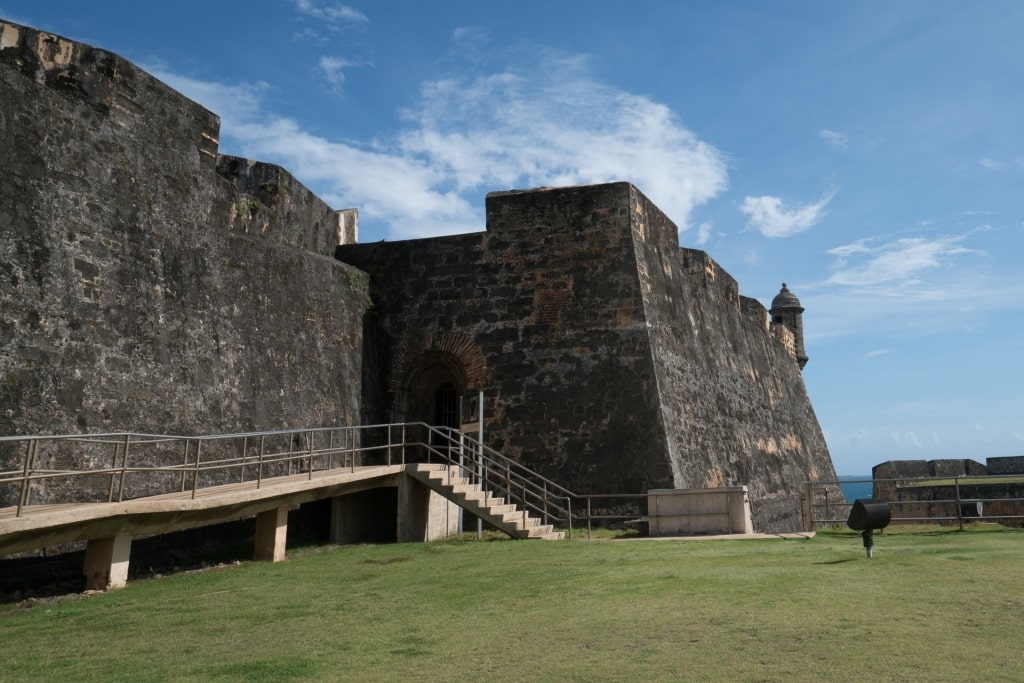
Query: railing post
{"type": "Point", "coordinates": [124, 467]}
{"type": "Point", "coordinates": [589, 530]}
{"type": "Point", "coordinates": [568, 505]}
{"type": "Point", "coordinates": [291, 451]}
{"type": "Point", "coordinates": [311, 455]}
{"type": "Point", "coordinates": [259, 465]}
{"type": "Point", "coordinates": [545, 499]}
{"type": "Point", "coordinates": [523, 486]}
{"type": "Point", "coordinates": [30, 458]}
{"type": "Point", "coordinates": [241, 468]}
{"type": "Point", "coordinates": [810, 506]}
{"type": "Point", "coordinates": [959, 506]}
{"type": "Point", "coordinates": [389, 443]}
{"type": "Point", "coordinates": [113, 477]}
{"type": "Point", "coordinates": [330, 450]}
{"type": "Point", "coordinates": [195, 476]}
{"type": "Point", "coordinates": [508, 477]}
{"type": "Point", "coordinates": [184, 463]}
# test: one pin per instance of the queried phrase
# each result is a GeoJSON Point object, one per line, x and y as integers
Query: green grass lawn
{"type": "Point", "coordinates": [933, 605]}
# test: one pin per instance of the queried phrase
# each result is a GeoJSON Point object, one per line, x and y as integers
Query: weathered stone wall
{"type": "Point", "coordinates": [1013, 464]}
{"type": "Point", "coordinates": [134, 294]}
{"type": "Point", "coordinates": [732, 397]}
{"type": "Point", "coordinates": [548, 298]}
{"type": "Point", "coordinates": [270, 203]}
{"type": "Point", "coordinates": [1000, 502]}
{"type": "Point", "coordinates": [613, 360]}
{"type": "Point", "coordinates": [887, 472]}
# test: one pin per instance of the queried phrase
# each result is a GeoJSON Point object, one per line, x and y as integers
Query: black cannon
{"type": "Point", "coordinates": [866, 515]}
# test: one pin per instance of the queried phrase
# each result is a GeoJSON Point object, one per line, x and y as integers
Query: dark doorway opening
{"type": "Point", "coordinates": [446, 406]}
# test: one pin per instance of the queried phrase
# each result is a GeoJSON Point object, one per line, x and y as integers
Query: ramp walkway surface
{"type": "Point", "coordinates": [44, 525]}
{"type": "Point", "coordinates": [106, 489]}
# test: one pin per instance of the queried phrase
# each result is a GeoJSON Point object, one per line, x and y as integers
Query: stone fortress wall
{"type": "Point", "coordinates": [613, 360]}
{"type": "Point", "coordinates": [148, 283]}
{"type": "Point", "coordinates": [139, 288]}
{"type": "Point", "coordinates": [924, 488]}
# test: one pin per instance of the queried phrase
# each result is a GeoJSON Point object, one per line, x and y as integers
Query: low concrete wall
{"type": "Point", "coordinates": [682, 512]}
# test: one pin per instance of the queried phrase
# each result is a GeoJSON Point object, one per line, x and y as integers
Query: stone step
{"type": "Point", "coordinates": [507, 517]}
{"type": "Point", "coordinates": [499, 509]}
{"type": "Point", "coordinates": [448, 479]}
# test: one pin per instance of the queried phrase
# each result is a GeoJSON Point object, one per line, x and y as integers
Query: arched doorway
{"type": "Point", "coordinates": [432, 390]}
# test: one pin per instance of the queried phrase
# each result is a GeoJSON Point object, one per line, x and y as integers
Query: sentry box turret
{"type": "Point", "coordinates": [867, 515]}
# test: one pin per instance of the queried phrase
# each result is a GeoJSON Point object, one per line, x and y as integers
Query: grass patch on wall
{"type": "Point", "coordinates": [933, 604]}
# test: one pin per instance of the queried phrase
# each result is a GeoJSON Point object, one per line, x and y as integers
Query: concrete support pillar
{"type": "Point", "coordinates": [423, 514]}
{"type": "Point", "coordinates": [106, 562]}
{"type": "Point", "coordinates": [271, 535]}
{"type": "Point", "coordinates": [413, 511]}
{"type": "Point", "coordinates": [342, 513]}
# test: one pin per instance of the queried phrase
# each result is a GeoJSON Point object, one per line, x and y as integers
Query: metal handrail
{"type": "Point", "coordinates": [821, 511]}
{"type": "Point", "coordinates": [199, 461]}
{"type": "Point", "coordinates": [34, 467]}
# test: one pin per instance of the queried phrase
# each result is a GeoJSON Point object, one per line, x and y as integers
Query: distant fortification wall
{"type": "Point", "coordinates": [142, 289]}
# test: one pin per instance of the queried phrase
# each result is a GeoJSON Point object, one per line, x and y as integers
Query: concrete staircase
{"type": "Point", "coordinates": [503, 516]}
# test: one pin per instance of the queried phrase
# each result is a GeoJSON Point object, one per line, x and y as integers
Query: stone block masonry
{"type": "Point", "coordinates": [612, 360]}
{"type": "Point", "coordinates": [146, 283]}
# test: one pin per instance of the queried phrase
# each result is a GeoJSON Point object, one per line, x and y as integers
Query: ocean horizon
{"type": "Point", "coordinates": [856, 486]}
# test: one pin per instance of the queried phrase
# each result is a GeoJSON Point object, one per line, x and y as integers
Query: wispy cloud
{"type": "Point", "coordinates": [546, 122]}
{"type": "Point", "coordinates": [876, 353]}
{"type": "Point", "coordinates": [1001, 164]}
{"type": "Point", "coordinates": [833, 138]}
{"type": "Point", "coordinates": [863, 263]}
{"type": "Point", "coordinates": [330, 12]}
{"type": "Point", "coordinates": [906, 441]}
{"type": "Point", "coordinates": [771, 218]}
{"type": "Point", "coordinates": [333, 70]}
{"type": "Point", "coordinates": [703, 233]}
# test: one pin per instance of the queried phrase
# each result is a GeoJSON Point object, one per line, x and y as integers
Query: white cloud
{"type": "Point", "coordinates": [906, 441]}
{"type": "Point", "coordinates": [546, 123]}
{"type": "Point", "coordinates": [703, 233]}
{"type": "Point", "coordinates": [901, 261]}
{"type": "Point", "coordinates": [772, 219]}
{"type": "Point", "coordinates": [550, 124]}
{"type": "Point", "coordinates": [333, 69]}
{"type": "Point", "coordinates": [1001, 164]}
{"type": "Point", "coordinates": [331, 12]}
{"type": "Point", "coordinates": [834, 138]}
{"type": "Point", "coordinates": [233, 103]}
{"type": "Point", "coordinates": [876, 353]}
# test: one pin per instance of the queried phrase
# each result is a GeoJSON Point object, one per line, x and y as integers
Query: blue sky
{"type": "Point", "coordinates": [870, 154]}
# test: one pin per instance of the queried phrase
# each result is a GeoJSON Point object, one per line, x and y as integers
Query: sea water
{"type": "Point", "coordinates": [856, 486]}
